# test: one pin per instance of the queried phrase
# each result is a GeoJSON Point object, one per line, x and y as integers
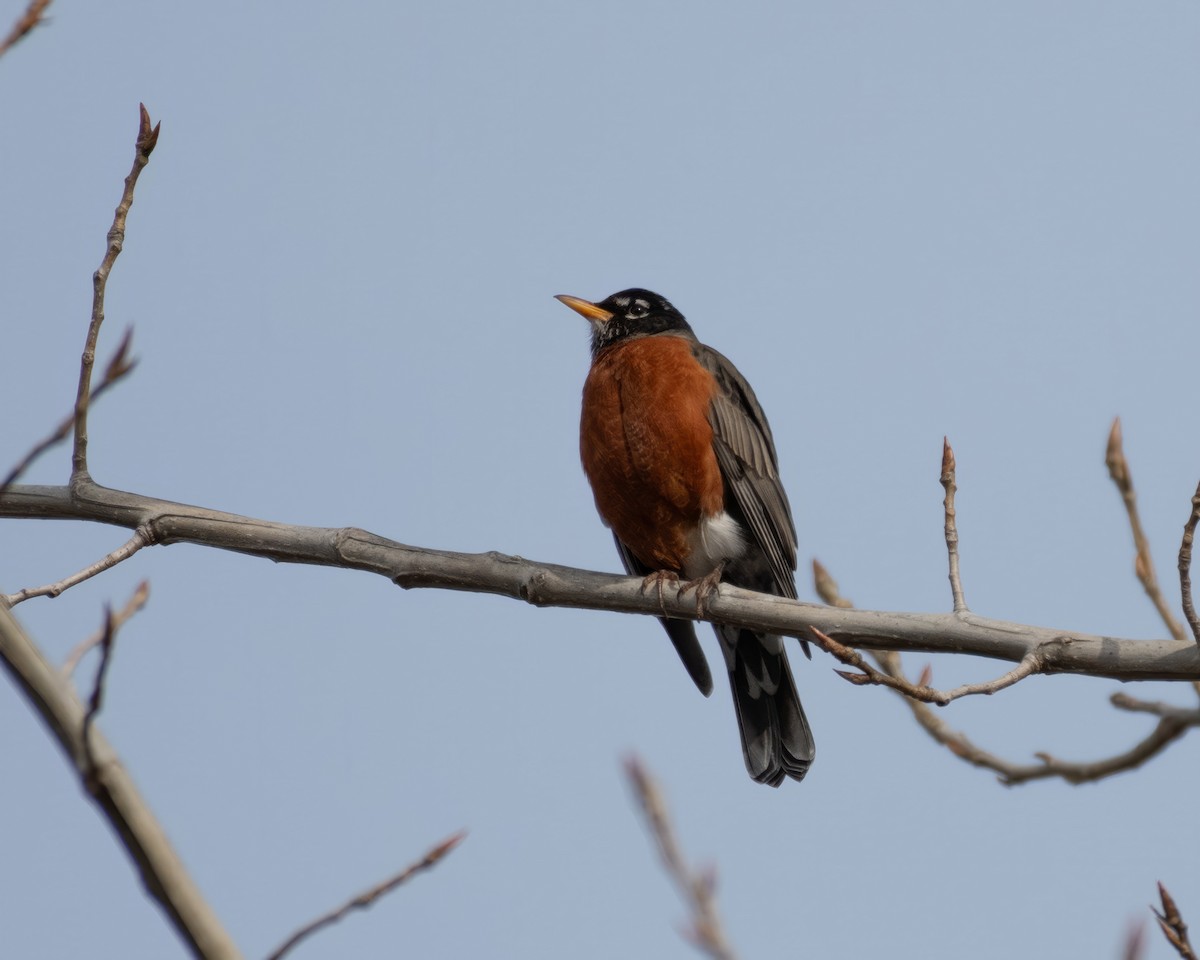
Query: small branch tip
{"type": "Point", "coordinates": [147, 135]}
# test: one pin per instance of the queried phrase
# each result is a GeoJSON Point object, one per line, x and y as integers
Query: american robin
{"type": "Point", "coordinates": [684, 472]}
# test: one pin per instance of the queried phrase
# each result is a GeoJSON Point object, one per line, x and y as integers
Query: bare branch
{"type": "Point", "coordinates": [113, 792]}
{"type": "Point", "coordinates": [947, 481]}
{"type": "Point", "coordinates": [32, 17]}
{"type": "Point", "coordinates": [113, 622]}
{"type": "Point", "coordinates": [118, 368]}
{"type": "Point", "coordinates": [1170, 921]}
{"type": "Point", "coordinates": [1162, 736]}
{"type": "Point", "coordinates": [1173, 723]}
{"type": "Point", "coordinates": [697, 888]}
{"type": "Point", "coordinates": [1030, 665]}
{"type": "Point", "coordinates": [363, 900]}
{"type": "Point", "coordinates": [1185, 566]}
{"type": "Point", "coordinates": [1011, 774]}
{"type": "Point", "coordinates": [108, 636]}
{"type": "Point", "coordinates": [108, 561]}
{"type": "Point", "coordinates": [1143, 564]}
{"type": "Point", "coordinates": [1189, 716]}
{"type": "Point", "coordinates": [1135, 942]}
{"type": "Point", "coordinates": [827, 588]}
{"type": "Point", "coordinates": [544, 584]}
{"type": "Point", "coordinates": [147, 138]}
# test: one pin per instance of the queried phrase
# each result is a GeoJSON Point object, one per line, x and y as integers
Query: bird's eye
{"type": "Point", "coordinates": [639, 309]}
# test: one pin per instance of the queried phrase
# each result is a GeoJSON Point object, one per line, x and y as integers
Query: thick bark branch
{"type": "Point", "coordinates": [110, 787]}
{"type": "Point", "coordinates": [1060, 651]}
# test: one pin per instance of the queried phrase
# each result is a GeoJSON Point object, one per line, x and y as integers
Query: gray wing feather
{"type": "Point", "coordinates": [746, 454]}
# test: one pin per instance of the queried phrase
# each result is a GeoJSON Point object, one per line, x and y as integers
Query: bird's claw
{"type": "Point", "coordinates": [656, 580]}
{"type": "Point", "coordinates": [706, 588]}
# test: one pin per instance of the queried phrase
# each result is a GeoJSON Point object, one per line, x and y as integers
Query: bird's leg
{"type": "Point", "coordinates": [656, 580]}
{"type": "Point", "coordinates": [705, 587]}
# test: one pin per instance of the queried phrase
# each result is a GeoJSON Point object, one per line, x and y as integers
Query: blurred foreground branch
{"type": "Point", "coordinates": [697, 887]}
{"type": "Point", "coordinates": [32, 17]}
{"type": "Point", "coordinates": [109, 786]}
{"type": "Point", "coordinates": [1172, 925]}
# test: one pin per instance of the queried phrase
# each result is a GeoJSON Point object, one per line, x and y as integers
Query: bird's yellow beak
{"type": "Point", "coordinates": [585, 308]}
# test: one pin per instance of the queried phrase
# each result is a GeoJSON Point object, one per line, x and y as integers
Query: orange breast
{"type": "Point", "coordinates": [646, 446]}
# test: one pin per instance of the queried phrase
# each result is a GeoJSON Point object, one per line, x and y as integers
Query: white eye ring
{"type": "Point", "coordinates": [639, 309]}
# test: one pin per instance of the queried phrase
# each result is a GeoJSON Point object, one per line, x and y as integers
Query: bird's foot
{"type": "Point", "coordinates": [706, 588]}
{"type": "Point", "coordinates": [656, 580]}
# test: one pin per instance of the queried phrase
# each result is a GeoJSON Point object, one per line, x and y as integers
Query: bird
{"type": "Point", "coordinates": [684, 472]}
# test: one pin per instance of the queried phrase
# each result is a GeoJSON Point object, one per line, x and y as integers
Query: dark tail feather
{"type": "Point", "coordinates": [776, 739]}
{"type": "Point", "coordinates": [683, 636]}
{"type": "Point", "coordinates": [681, 632]}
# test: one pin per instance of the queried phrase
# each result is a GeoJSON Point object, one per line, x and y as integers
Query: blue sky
{"type": "Point", "coordinates": [901, 221]}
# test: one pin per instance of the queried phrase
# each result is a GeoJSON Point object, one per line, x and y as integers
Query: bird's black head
{"type": "Point", "coordinates": [628, 314]}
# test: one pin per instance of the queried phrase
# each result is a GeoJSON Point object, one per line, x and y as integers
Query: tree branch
{"type": "Point", "coordinates": [1174, 722]}
{"type": "Point", "coordinates": [543, 584]}
{"type": "Point", "coordinates": [1185, 566]}
{"type": "Point", "coordinates": [107, 562]}
{"type": "Point", "coordinates": [119, 367]}
{"type": "Point", "coordinates": [147, 138]}
{"type": "Point", "coordinates": [32, 17]}
{"type": "Point", "coordinates": [113, 622]}
{"type": "Point", "coordinates": [1170, 921]}
{"type": "Point", "coordinates": [367, 897]}
{"type": "Point", "coordinates": [896, 680]}
{"type": "Point", "coordinates": [1169, 729]}
{"type": "Point", "coordinates": [951, 525]}
{"type": "Point", "coordinates": [111, 789]}
{"type": "Point", "coordinates": [1143, 562]}
{"type": "Point", "coordinates": [697, 887]}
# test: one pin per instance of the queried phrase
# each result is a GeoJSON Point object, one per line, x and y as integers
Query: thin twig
{"type": "Point", "coordinates": [1026, 668]}
{"type": "Point", "coordinates": [1031, 664]}
{"type": "Point", "coordinates": [118, 368]}
{"type": "Point", "coordinates": [146, 140]}
{"type": "Point", "coordinates": [1135, 942]}
{"type": "Point", "coordinates": [108, 636]}
{"type": "Point", "coordinates": [1165, 732]}
{"type": "Point", "coordinates": [32, 17]}
{"type": "Point", "coordinates": [698, 888]}
{"type": "Point", "coordinates": [827, 588]}
{"type": "Point", "coordinates": [1123, 701]}
{"type": "Point", "coordinates": [1170, 921]}
{"type": "Point", "coordinates": [1143, 563]}
{"type": "Point", "coordinates": [1012, 774]}
{"type": "Point", "coordinates": [947, 481]}
{"type": "Point", "coordinates": [368, 897]}
{"type": "Point", "coordinates": [131, 546]}
{"type": "Point", "coordinates": [1185, 566]}
{"type": "Point", "coordinates": [118, 620]}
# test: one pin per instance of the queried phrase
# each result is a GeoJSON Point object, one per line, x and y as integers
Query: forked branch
{"type": "Point", "coordinates": [1171, 923]}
